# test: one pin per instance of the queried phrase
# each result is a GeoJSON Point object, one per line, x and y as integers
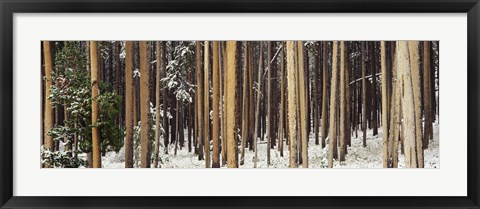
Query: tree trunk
{"type": "Point", "coordinates": [332, 143]}
{"type": "Point", "coordinates": [364, 97]}
{"type": "Point", "coordinates": [292, 105]}
{"type": "Point", "coordinates": [343, 134]}
{"type": "Point", "coordinates": [245, 112]}
{"type": "Point", "coordinates": [408, 107]}
{"type": "Point", "coordinates": [157, 109]}
{"type": "Point", "coordinates": [200, 110]}
{"type": "Point", "coordinates": [303, 105]}
{"type": "Point", "coordinates": [206, 105]}
{"type": "Point", "coordinates": [216, 122]}
{"type": "Point", "coordinates": [324, 95]}
{"type": "Point", "coordinates": [230, 92]}
{"type": "Point", "coordinates": [282, 98]}
{"type": "Point", "coordinates": [428, 131]}
{"type": "Point", "coordinates": [385, 106]}
{"type": "Point", "coordinates": [96, 141]}
{"type": "Point", "coordinates": [417, 98]}
{"type": "Point", "coordinates": [48, 113]}
{"type": "Point", "coordinates": [144, 105]}
{"type": "Point", "coordinates": [129, 104]}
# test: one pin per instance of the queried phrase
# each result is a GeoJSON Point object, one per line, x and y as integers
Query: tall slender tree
{"type": "Point", "coordinates": [48, 113]}
{"type": "Point", "coordinates": [303, 97]}
{"type": "Point", "coordinates": [332, 141]}
{"type": "Point", "coordinates": [215, 106]}
{"type": "Point", "coordinates": [292, 105]}
{"type": "Point", "coordinates": [129, 104]}
{"type": "Point", "coordinates": [206, 105]}
{"type": "Point", "coordinates": [427, 101]}
{"type": "Point", "coordinates": [96, 141]}
{"type": "Point", "coordinates": [342, 95]}
{"type": "Point", "coordinates": [364, 97]}
{"type": "Point", "coordinates": [144, 105]}
{"type": "Point", "coordinates": [417, 98]}
{"type": "Point", "coordinates": [324, 95]}
{"type": "Point", "coordinates": [230, 92]}
{"type": "Point", "coordinates": [157, 108]}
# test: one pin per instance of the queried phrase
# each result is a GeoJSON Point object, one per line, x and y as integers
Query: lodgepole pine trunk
{"type": "Point", "coordinates": [245, 112]}
{"type": "Point", "coordinates": [157, 109]}
{"type": "Point", "coordinates": [206, 106]}
{"type": "Point", "coordinates": [324, 95]}
{"type": "Point", "coordinates": [407, 102]}
{"type": "Point", "coordinates": [385, 102]}
{"type": "Point", "coordinates": [215, 96]}
{"type": "Point", "coordinates": [427, 101]}
{"type": "Point", "coordinates": [364, 97]}
{"type": "Point", "coordinates": [332, 142]}
{"type": "Point", "coordinates": [282, 103]}
{"type": "Point", "coordinates": [342, 95]}
{"type": "Point", "coordinates": [96, 141]}
{"type": "Point", "coordinates": [291, 103]}
{"type": "Point", "coordinates": [144, 105]}
{"type": "Point", "coordinates": [417, 99]}
{"type": "Point", "coordinates": [230, 92]}
{"type": "Point", "coordinates": [198, 55]}
{"type": "Point", "coordinates": [129, 104]}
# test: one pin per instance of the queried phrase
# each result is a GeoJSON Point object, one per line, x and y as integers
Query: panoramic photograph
{"type": "Point", "coordinates": [240, 104]}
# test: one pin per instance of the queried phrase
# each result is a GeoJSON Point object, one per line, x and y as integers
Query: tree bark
{"type": "Point", "coordinates": [230, 91]}
{"type": "Point", "coordinates": [216, 122]}
{"type": "Point", "coordinates": [292, 105]}
{"type": "Point", "coordinates": [206, 105]}
{"type": "Point", "coordinates": [157, 108]}
{"type": "Point", "coordinates": [96, 141]}
{"type": "Point", "coordinates": [427, 101]}
{"type": "Point", "coordinates": [364, 97]}
{"type": "Point", "coordinates": [417, 99]}
{"type": "Point", "coordinates": [144, 105]}
{"type": "Point", "coordinates": [324, 95]}
{"type": "Point", "coordinates": [332, 142]}
{"type": "Point", "coordinates": [408, 108]}
{"type": "Point", "coordinates": [303, 105]}
{"type": "Point", "coordinates": [343, 143]}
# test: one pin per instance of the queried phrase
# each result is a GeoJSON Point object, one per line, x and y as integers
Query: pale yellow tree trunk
{"type": "Point", "coordinates": [291, 103]}
{"type": "Point", "coordinates": [408, 107]}
{"type": "Point", "coordinates": [96, 141]}
{"type": "Point", "coordinates": [333, 108]}
{"type": "Point", "coordinates": [385, 102]}
{"type": "Point", "coordinates": [48, 113]}
{"type": "Point", "coordinates": [206, 106]}
{"type": "Point", "coordinates": [144, 105]}
{"type": "Point", "coordinates": [230, 86]}
{"type": "Point", "coordinates": [129, 104]}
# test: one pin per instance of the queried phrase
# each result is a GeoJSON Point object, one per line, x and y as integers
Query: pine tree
{"type": "Point", "coordinates": [230, 93]}
{"type": "Point", "coordinates": [144, 105]}
{"type": "Point", "coordinates": [215, 106]}
{"type": "Point", "coordinates": [129, 104]}
{"type": "Point", "coordinates": [96, 141]}
{"type": "Point", "coordinates": [292, 105]}
{"type": "Point", "coordinates": [332, 141]}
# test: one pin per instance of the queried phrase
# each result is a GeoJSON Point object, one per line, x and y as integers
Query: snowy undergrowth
{"type": "Point", "coordinates": [357, 157]}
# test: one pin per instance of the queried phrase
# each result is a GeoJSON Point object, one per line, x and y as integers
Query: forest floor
{"type": "Point", "coordinates": [357, 155]}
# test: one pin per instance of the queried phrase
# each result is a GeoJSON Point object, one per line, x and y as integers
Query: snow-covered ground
{"type": "Point", "coordinates": [357, 157]}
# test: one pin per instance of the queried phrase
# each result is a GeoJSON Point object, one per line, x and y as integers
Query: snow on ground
{"type": "Point", "coordinates": [357, 157]}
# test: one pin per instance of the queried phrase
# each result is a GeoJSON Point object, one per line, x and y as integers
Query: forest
{"type": "Point", "coordinates": [240, 104]}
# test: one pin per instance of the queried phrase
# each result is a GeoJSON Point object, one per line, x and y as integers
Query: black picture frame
{"type": "Point", "coordinates": [10, 7]}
